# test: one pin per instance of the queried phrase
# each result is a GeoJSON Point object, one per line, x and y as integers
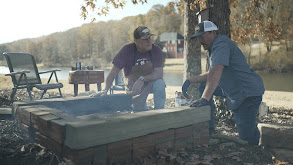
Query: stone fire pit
{"type": "Point", "coordinates": [101, 130]}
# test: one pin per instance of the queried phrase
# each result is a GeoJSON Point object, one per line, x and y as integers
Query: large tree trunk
{"type": "Point", "coordinates": [192, 54]}
{"type": "Point", "coordinates": [219, 14]}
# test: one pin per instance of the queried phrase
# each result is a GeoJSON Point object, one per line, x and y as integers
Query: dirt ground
{"type": "Point", "coordinates": [224, 148]}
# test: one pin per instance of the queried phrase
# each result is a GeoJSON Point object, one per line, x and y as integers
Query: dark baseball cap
{"type": "Point", "coordinates": [142, 32]}
{"type": "Point", "coordinates": [203, 27]}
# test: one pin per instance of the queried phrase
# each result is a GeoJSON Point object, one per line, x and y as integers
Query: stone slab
{"type": "Point", "coordinates": [5, 111]}
{"type": "Point", "coordinates": [275, 135]}
{"type": "Point", "coordinates": [131, 125]}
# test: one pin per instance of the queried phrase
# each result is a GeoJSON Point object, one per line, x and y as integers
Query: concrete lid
{"type": "Point", "coordinates": [80, 135]}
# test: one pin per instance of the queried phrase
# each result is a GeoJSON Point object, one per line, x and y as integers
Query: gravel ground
{"type": "Point", "coordinates": [224, 148]}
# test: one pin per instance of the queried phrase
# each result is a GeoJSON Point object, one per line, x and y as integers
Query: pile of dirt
{"type": "Point", "coordinates": [224, 148]}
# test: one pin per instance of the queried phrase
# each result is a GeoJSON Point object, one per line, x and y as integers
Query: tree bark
{"type": "Point", "coordinates": [219, 14]}
{"type": "Point", "coordinates": [192, 53]}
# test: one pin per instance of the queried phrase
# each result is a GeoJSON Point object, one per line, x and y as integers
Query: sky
{"type": "Point", "coordinates": [22, 19]}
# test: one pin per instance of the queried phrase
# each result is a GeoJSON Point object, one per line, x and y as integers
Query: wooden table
{"type": "Point", "coordinates": [86, 77]}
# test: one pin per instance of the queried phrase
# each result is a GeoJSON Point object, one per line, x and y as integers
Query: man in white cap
{"type": "Point", "coordinates": [229, 76]}
{"type": "Point", "coordinates": [142, 64]}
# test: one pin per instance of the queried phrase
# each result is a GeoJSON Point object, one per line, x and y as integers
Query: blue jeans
{"type": "Point", "coordinates": [217, 92]}
{"type": "Point", "coordinates": [244, 115]}
{"type": "Point", "coordinates": [245, 119]}
{"type": "Point", "coordinates": [159, 92]}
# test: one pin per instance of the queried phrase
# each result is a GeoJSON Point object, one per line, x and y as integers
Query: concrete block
{"type": "Point", "coordinates": [131, 125]}
{"type": "Point", "coordinates": [83, 156]}
{"type": "Point", "coordinates": [276, 135]}
{"type": "Point", "coordinates": [48, 143]}
{"type": "Point", "coordinates": [94, 155]}
{"type": "Point", "coordinates": [47, 125]}
{"type": "Point", "coordinates": [165, 145]}
{"type": "Point", "coordinates": [164, 136]}
{"type": "Point", "coordinates": [26, 114]}
{"type": "Point", "coordinates": [139, 154]}
{"type": "Point", "coordinates": [5, 111]}
{"type": "Point", "coordinates": [35, 116]}
{"type": "Point", "coordinates": [120, 151]}
{"type": "Point", "coordinates": [24, 127]}
{"type": "Point", "coordinates": [143, 142]}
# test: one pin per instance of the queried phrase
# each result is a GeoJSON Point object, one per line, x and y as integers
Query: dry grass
{"type": "Point", "coordinates": [278, 59]}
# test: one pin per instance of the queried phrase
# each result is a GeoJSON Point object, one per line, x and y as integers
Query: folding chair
{"type": "Point", "coordinates": [119, 83]}
{"type": "Point", "coordinates": [24, 74]}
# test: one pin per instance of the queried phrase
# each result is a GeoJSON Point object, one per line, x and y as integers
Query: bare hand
{"type": "Point", "coordinates": [101, 93]}
{"type": "Point", "coordinates": [136, 89]}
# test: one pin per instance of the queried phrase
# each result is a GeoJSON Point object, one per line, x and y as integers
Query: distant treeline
{"type": "Point", "coordinates": [95, 43]}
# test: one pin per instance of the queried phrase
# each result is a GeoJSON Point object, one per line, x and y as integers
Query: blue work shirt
{"type": "Point", "coordinates": [238, 81]}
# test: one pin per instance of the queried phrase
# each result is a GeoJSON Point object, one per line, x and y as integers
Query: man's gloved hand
{"type": "Point", "coordinates": [101, 93]}
{"type": "Point", "coordinates": [185, 87]}
{"type": "Point", "coordinates": [199, 103]}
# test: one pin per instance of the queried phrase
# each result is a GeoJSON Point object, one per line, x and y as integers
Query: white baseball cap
{"type": "Point", "coordinates": [203, 27]}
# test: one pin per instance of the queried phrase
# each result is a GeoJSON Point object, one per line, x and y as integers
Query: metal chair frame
{"type": "Point", "coordinates": [21, 79]}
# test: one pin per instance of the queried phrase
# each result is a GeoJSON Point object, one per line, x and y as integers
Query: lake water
{"type": "Point", "coordinates": [272, 81]}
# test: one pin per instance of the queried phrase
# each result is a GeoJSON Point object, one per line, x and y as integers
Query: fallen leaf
{"type": "Point", "coordinates": [208, 157]}
{"type": "Point", "coordinates": [233, 154]}
{"type": "Point", "coordinates": [194, 157]}
{"type": "Point", "coordinates": [278, 162]}
{"type": "Point", "coordinates": [236, 158]}
{"type": "Point", "coordinates": [216, 156]}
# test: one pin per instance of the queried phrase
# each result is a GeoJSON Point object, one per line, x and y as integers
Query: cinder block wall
{"type": "Point", "coordinates": [136, 148]}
